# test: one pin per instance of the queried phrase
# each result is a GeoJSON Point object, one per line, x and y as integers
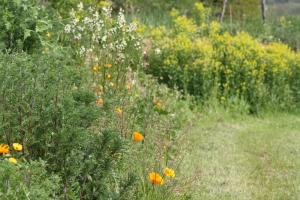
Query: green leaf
{"type": "Point", "coordinates": [2, 45]}
{"type": "Point", "coordinates": [27, 33]}
{"type": "Point", "coordinates": [42, 26]}
{"type": "Point", "coordinates": [7, 25]}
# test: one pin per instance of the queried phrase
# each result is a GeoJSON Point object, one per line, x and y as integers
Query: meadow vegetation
{"type": "Point", "coordinates": [100, 101]}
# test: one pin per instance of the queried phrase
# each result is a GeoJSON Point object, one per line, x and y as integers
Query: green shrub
{"type": "Point", "coordinates": [23, 24]}
{"type": "Point", "coordinates": [27, 180]}
{"type": "Point", "coordinates": [45, 107]}
{"type": "Point", "coordinates": [200, 59]}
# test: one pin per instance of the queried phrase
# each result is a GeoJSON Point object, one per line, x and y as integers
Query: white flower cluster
{"type": "Point", "coordinates": [157, 51]}
{"type": "Point", "coordinates": [121, 19]}
{"type": "Point", "coordinates": [80, 6]}
{"type": "Point", "coordinates": [97, 31]}
{"type": "Point", "coordinates": [107, 11]}
{"type": "Point", "coordinates": [132, 27]}
{"type": "Point", "coordinates": [68, 28]}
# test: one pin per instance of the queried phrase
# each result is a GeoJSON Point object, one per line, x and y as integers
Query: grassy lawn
{"type": "Point", "coordinates": [244, 157]}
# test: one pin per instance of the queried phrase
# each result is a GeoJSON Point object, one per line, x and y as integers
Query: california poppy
{"type": "Point", "coordinates": [137, 137]}
{"type": "Point", "coordinates": [4, 149]}
{"type": "Point", "coordinates": [17, 147]}
{"type": "Point", "coordinates": [99, 102]}
{"type": "Point", "coordinates": [156, 179]}
{"type": "Point", "coordinates": [169, 172]}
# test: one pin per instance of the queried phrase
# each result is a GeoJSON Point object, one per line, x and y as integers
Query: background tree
{"type": "Point", "coordinates": [223, 10]}
{"type": "Point", "coordinates": [263, 9]}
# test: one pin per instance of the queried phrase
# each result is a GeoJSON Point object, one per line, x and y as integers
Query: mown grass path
{"type": "Point", "coordinates": [244, 158]}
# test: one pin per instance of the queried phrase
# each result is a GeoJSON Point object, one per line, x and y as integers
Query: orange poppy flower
{"type": "Point", "coordinates": [137, 137]}
{"type": "Point", "coordinates": [156, 179]}
{"type": "Point", "coordinates": [99, 102]}
{"type": "Point", "coordinates": [4, 149]}
{"type": "Point", "coordinates": [128, 86]}
{"type": "Point", "coordinates": [99, 90]}
{"type": "Point", "coordinates": [108, 65]}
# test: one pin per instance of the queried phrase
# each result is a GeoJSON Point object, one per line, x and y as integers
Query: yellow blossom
{"type": "Point", "coordinates": [169, 172]}
{"type": "Point", "coordinates": [17, 147]}
{"type": "Point", "coordinates": [119, 110]}
{"type": "Point", "coordinates": [95, 69]}
{"type": "Point", "coordinates": [158, 104]}
{"type": "Point", "coordinates": [102, 4]}
{"type": "Point", "coordinates": [12, 160]}
{"type": "Point", "coordinates": [108, 76]}
{"type": "Point", "coordinates": [108, 65]}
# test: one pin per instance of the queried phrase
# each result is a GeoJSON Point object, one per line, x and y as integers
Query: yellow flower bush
{"type": "Point", "coordinates": [201, 60]}
{"type": "Point", "coordinates": [200, 12]}
{"type": "Point", "coordinates": [158, 32]}
{"type": "Point", "coordinates": [184, 24]}
{"type": "Point", "coordinates": [102, 4]}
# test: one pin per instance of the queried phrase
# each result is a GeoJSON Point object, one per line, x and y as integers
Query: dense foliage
{"type": "Point", "coordinates": [76, 109]}
{"type": "Point", "coordinates": [91, 105]}
{"type": "Point", "coordinates": [202, 60]}
{"type": "Point", "coordinates": [27, 181]}
{"type": "Point", "coordinates": [24, 32]}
